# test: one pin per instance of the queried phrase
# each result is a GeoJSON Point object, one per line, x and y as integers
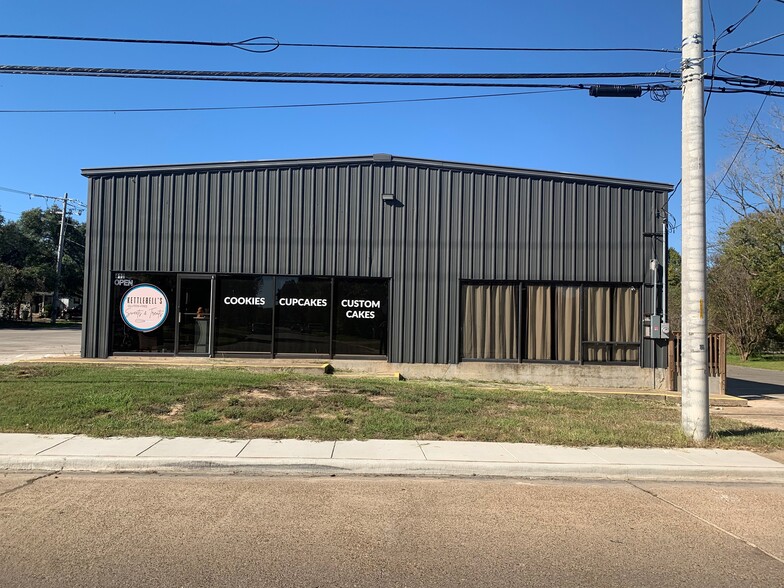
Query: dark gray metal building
{"type": "Point", "coordinates": [386, 257]}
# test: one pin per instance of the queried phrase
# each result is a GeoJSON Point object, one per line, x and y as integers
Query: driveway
{"type": "Point", "coordinates": [764, 391]}
{"type": "Point", "coordinates": [20, 344]}
{"type": "Point", "coordinates": [750, 382]}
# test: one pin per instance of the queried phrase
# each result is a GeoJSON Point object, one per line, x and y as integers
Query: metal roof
{"type": "Point", "coordinates": [377, 158]}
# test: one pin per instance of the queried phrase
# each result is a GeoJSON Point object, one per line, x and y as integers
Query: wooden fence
{"type": "Point", "coordinates": [717, 361]}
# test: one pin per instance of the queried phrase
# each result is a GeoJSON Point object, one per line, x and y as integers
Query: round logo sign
{"type": "Point", "coordinates": [144, 307]}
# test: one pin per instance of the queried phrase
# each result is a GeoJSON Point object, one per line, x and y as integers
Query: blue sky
{"type": "Point", "coordinates": [561, 131]}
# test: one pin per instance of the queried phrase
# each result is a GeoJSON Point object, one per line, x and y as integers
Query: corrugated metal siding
{"type": "Point", "coordinates": [448, 225]}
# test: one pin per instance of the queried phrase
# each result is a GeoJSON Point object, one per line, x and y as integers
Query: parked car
{"type": "Point", "coordinates": [74, 313]}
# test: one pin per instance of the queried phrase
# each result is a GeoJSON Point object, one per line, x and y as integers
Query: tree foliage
{"type": "Point", "coordinates": [750, 253]}
{"type": "Point", "coordinates": [756, 243]}
{"type": "Point", "coordinates": [736, 308]}
{"type": "Point", "coordinates": [28, 255]}
{"type": "Point", "coordinates": [674, 290]}
{"type": "Point", "coordinates": [753, 182]}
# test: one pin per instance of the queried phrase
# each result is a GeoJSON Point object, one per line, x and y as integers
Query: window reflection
{"type": "Point", "coordinates": [244, 319]}
{"type": "Point", "coordinates": [360, 317]}
{"type": "Point", "coordinates": [128, 340]}
{"type": "Point", "coordinates": [302, 315]}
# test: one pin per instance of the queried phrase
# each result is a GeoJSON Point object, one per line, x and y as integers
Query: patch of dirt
{"type": "Point", "coordinates": [174, 413]}
{"type": "Point", "coordinates": [266, 425]}
{"type": "Point", "coordinates": [256, 394]}
{"type": "Point", "coordinates": [283, 390]}
{"type": "Point", "coordinates": [382, 401]}
{"type": "Point", "coordinates": [303, 389]}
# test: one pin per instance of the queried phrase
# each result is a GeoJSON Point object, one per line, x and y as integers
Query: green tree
{"type": "Point", "coordinates": [756, 243]}
{"type": "Point", "coordinates": [28, 252]}
{"type": "Point", "coordinates": [735, 307]}
{"type": "Point", "coordinates": [752, 192]}
{"type": "Point", "coordinates": [674, 290]}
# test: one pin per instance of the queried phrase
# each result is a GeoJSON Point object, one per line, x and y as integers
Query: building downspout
{"type": "Point", "coordinates": [665, 261]}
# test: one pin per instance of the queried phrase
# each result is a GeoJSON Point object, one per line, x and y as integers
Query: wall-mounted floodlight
{"type": "Point", "coordinates": [389, 198]}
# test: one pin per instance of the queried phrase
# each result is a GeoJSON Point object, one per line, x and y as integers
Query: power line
{"type": "Point", "coordinates": [46, 197]}
{"type": "Point", "coordinates": [738, 152]}
{"type": "Point", "coordinates": [740, 83]}
{"type": "Point", "coordinates": [656, 91]}
{"type": "Point", "coordinates": [266, 44]}
{"type": "Point", "coordinates": [372, 78]}
{"type": "Point", "coordinates": [725, 33]}
{"type": "Point", "coordinates": [262, 44]}
{"type": "Point", "coordinates": [471, 80]}
{"type": "Point", "coordinates": [332, 75]}
{"type": "Point", "coordinates": [282, 106]}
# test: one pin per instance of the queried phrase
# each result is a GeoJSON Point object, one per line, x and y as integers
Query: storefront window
{"type": "Point", "coordinates": [244, 314]}
{"type": "Point", "coordinates": [553, 323]}
{"type": "Point", "coordinates": [612, 324]}
{"type": "Point", "coordinates": [143, 307]}
{"type": "Point", "coordinates": [490, 321]}
{"type": "Point", "coordinates": [360, 317]}
{"type": "Point", "coordinates": [302, 315]}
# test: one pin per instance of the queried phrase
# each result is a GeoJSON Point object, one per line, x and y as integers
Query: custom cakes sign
{"type": "Point", "coordinates": [144, 308]}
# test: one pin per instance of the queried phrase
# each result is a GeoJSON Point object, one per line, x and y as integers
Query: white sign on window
{"type": "Point", "coordinates": [144, 308]}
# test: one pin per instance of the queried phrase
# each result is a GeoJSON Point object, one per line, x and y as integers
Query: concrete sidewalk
{"type": "Point", "coordinates": [28, 452]}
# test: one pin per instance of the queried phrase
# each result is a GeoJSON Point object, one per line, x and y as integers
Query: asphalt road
{"type": "Point", "coordinates": [123, 530]}
{"type": "Point", "coordinates": [33, 343]}
{"type": "Point", "coordinates": [750, 382]}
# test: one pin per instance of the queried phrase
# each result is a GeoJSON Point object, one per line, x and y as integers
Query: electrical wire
{"type": "Point", "coordinates": [657, 92]}
{"type": "Point", "coordinates": [366, 79]}
{"type": "Point", "coordinates": [728, 31]}
{"type": "Point", "coordinates": [377, 79]}
{"type": "Point", "coordinates": [334, 75]}
{"type": "Point", "coordinates": [76, 203]}
{"type": "Point", "coordinates": [270, 43]}
{"type": "Point", "coordinates": [740, 50]}
{"type": "Point", "coordinates": [252, 45]}
{"type": "Point", "coordinates": [738, 152]}
{"type": "Point", "coordinates": [282, 106]}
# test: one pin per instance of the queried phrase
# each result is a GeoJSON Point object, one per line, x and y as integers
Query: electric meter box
{"type": "Point", "coordinates": [653, 327]}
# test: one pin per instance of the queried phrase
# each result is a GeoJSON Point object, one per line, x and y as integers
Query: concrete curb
{"type": "Point", "coordinates": [364, 467]}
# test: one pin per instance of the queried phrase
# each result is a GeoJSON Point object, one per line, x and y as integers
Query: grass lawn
{"type": "Point", "coordinates": [765, 361]}
{"type": "Point", "coordinates": [235, 402]}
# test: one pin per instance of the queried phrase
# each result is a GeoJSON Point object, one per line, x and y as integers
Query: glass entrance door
{"type": "Point", "coordinates": [194, 316]}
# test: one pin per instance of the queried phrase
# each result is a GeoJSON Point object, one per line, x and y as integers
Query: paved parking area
{"type": "Point", "coordinates": [34, 343]}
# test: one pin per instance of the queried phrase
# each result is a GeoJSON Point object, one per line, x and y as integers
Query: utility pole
{"type": "Point", "coordinates": [695, 418]}
{"type": "Point", "coordinates": [60, 247]}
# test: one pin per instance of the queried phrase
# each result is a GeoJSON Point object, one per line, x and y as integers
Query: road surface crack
{"type": "Point", "coordinates": [29, 482]}
{"type": "Point", "coordinates": [707, 522]}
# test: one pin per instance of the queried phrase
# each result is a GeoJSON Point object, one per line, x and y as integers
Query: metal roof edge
{"type": "Point", "coordinates": [375, 158]}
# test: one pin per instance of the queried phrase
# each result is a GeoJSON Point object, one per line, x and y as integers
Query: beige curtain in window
{"type": "Point", "coordinates": [539, 323]}
{"type": "Point", "coordinates": [597, 322]}
{"type": "Point", "coordinates": [490, 322]}
{"type": "Point", "coordinates": [626, 323]}
{"type": "Point", "coordinates": [567, 323]}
